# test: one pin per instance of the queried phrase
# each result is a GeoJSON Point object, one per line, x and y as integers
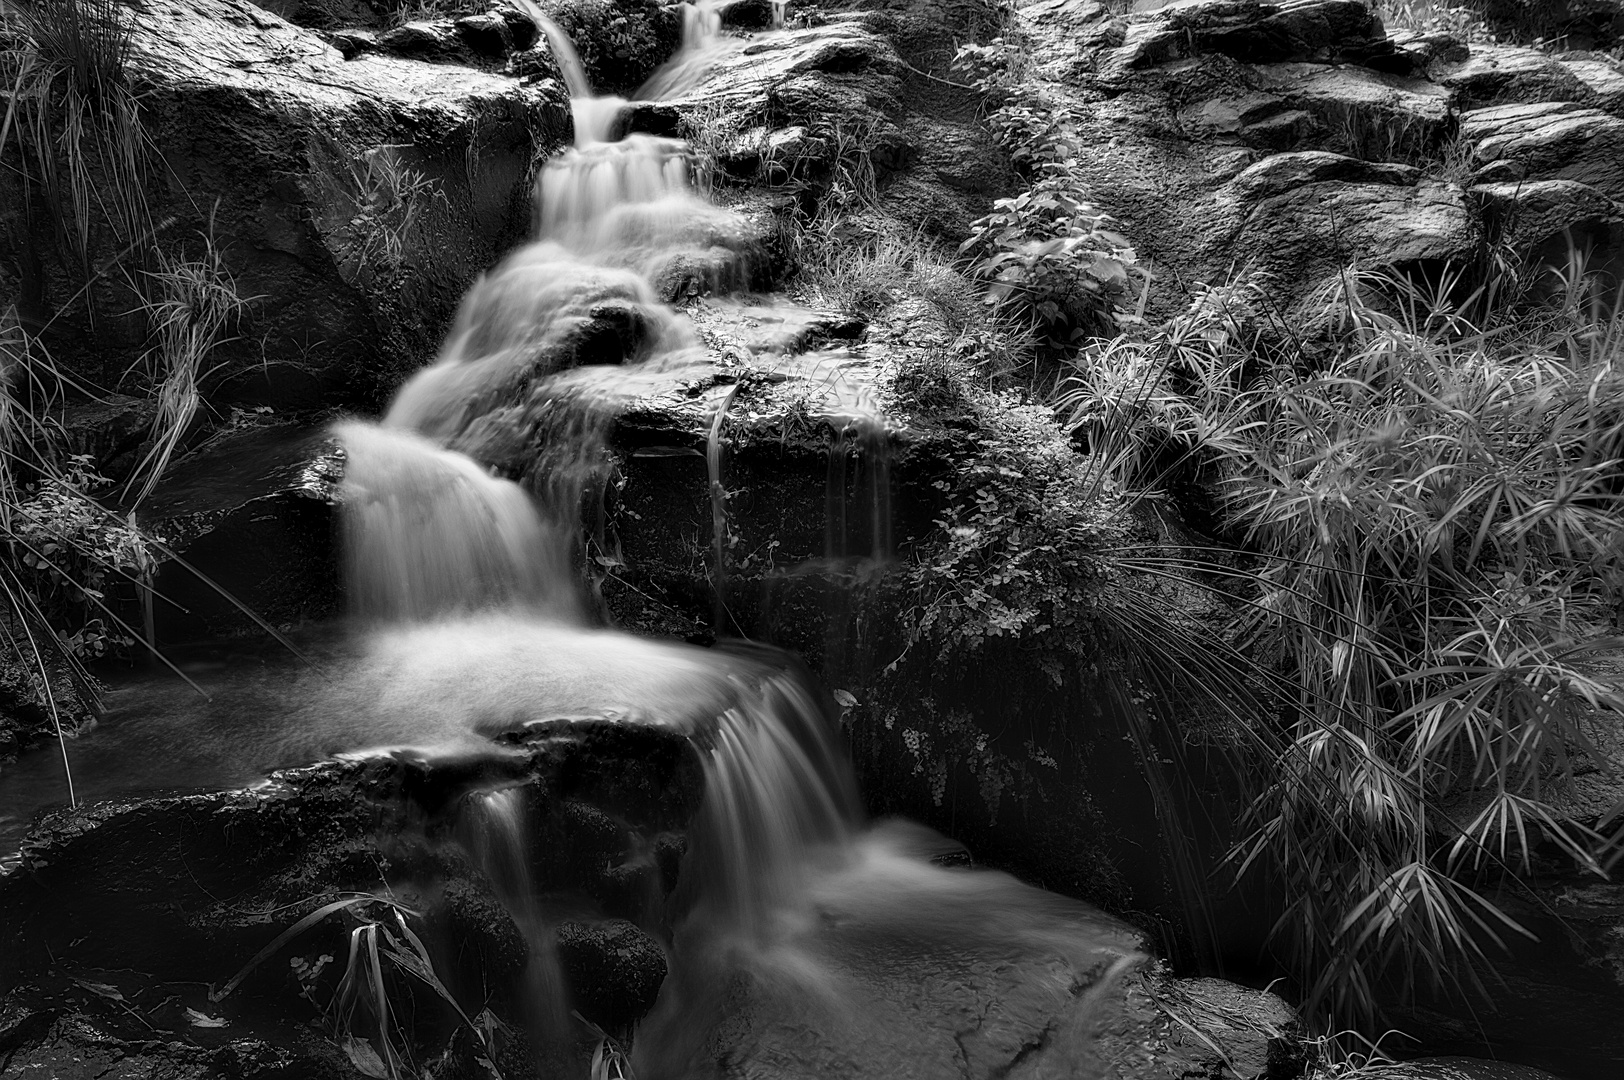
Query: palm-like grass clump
{"type": "Point", "coordinates": [1427, 508]}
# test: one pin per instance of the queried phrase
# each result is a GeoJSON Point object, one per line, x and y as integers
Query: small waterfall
{"type": "Point", "coordinates": [594, 115]}
{"type": "Point", "coordinates": [429, 533]}
{"type": "Point", "coordinates": [703, 43]}
{"type": "Point", "coordinates": [780, 8]}
{"type": "Point", "coordinates": [498, 833]}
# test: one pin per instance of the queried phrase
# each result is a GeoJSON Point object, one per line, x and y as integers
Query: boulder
{"type": "Point", "coordinates": [1250, 31]}
{"type": "Point", "coordinates": [1313, 212]}
{"type": "Point", "coordinates": [1603, 74]}
{"type": "Point", "coordinates": [614, 970]}
{"type": "Point", "coordinates": [249, 511]}
{"type": "Point", "coordinates": [1499, 74]}
{"type": "Point", "coordinates": [351, 202]}
{"type": "Point", "coordinates": [1530, 214]}
{"type": "Point", "coordinates": [620, 43]}
{"type": "Point", "coordinates": [1551, 140]}
{"type": "Point", "coordinates": [1365, 107]}
{"type": "Point", "coordinates": [1462, 1068]}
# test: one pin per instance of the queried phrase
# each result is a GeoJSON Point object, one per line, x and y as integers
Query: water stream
{"type": "Point", "coordinates": [472, 622]}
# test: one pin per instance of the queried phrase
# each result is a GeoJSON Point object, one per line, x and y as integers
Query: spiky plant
{"type": "Point", "coordinates": [86, 150]}
{"type": "Point", "coordinates": [1430, 507]}
{"type": "Point", "coordinates": [194, 303]}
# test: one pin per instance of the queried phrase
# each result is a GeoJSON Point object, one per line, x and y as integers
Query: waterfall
{"type": "Point", "coordinates": [476, 610]}
{"type": "Point", "coordinates": [499, 835]}
{"type": "Point", "coordinates": [428, 532]}
{"type": "Point", "coordinates": [703, 43]}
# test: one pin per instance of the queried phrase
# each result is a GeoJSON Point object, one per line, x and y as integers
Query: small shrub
{"type": "Point", "coordinates": [72, 549]}
{"type": "Point", "coordinates": [1049, 251]}
{"type": "Point", "coordinates": [389, 199]}
{"type": "Point", "coordinates": [1047, 254]}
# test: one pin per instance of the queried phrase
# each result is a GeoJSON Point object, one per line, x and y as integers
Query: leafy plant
{"type": "Point", "coordinates": [1050, 251]}
{"type": "Point", "coordinates": [381, 950]}
{"type": "Point", "coordinates": [1017, 533]}
{"type": "Point", "coordinates": [386, 199]}
{"type": "Point", "coordinates": [73, 547]}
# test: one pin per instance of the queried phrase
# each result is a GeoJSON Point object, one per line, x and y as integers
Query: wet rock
{"type": "Point", "coordinates": [488, 34]}
{"type": "Point", "coordinates": [437, 41]}
{"type": "Point", "coordinates": [352, 43]}
{"type": "Point", "coordinates": [250, 511]}
{"type": "Point", "coordinates": [613, 968]}
{"type": "Point", "coordinates": [109, 430]}
{"type": "Point", "coordinates": [746, 14]}
{"type": "Point", "coordinates": [138, 881]}
{"type": "Point", "coordinates": [75, 1046]}
{"type": "Point", "coordinates": [473, 927]}
{"type": "Point", "coordinates": [325, 14]}
{"type": "Point", "coordinates": [30, 711]}
{"type": "Point", "coordinates": [1463, 1068]}
{"type": "Point", "coordinates": [1258, 1032]}
{"type": "Point", "coordinates": [1551, 140]}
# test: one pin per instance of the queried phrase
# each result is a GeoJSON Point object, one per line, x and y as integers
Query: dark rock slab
{"type": "Point", "coordinates": [1294, 209]}
{"type": "Point", "coordinates": [250, 510]}
{"type": "Point", "coordinates": [1577, 24]}
{"type": "Point", "coordinates": [1249, 31]}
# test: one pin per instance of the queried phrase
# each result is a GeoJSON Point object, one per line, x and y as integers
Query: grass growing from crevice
{"type": "Point", "coordinates": [78, 125]}
{"type": "Point", "coordinates": [194, 303]}
{"type": "Point", "coordinates": [384, 956]}
{"type": "Point", "coordinates": [1425, 502]}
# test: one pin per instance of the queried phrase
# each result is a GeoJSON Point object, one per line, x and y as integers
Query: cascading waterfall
{"type": "Point", "coordinates": [468, 576]}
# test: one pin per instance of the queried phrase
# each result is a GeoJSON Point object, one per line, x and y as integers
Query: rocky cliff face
{"type": "Point", "coordinates": [1295, 139]}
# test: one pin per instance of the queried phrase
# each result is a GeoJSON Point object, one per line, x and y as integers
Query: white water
{"type": "Point", "coordinates": [703, 44]}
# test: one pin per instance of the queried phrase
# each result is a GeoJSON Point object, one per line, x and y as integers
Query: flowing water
{"type": "Point", "coordinates": [471, 625]}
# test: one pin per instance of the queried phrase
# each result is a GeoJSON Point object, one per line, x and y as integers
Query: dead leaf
{"type": "Point", "coordinates": [365, 1059]}
{"type": "Point", "coordinates": [111, 993]}
{"type": "Point", "coordinates": [203, 1020]}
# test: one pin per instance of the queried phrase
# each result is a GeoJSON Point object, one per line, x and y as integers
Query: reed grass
{"type": "Point", "coordinates": [78, 119]}
{"type": "Point", "coordinates": [1422, 512]}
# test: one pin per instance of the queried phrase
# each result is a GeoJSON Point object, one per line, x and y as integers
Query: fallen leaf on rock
{"type": "Point", "coordinates": [203, 1020]}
